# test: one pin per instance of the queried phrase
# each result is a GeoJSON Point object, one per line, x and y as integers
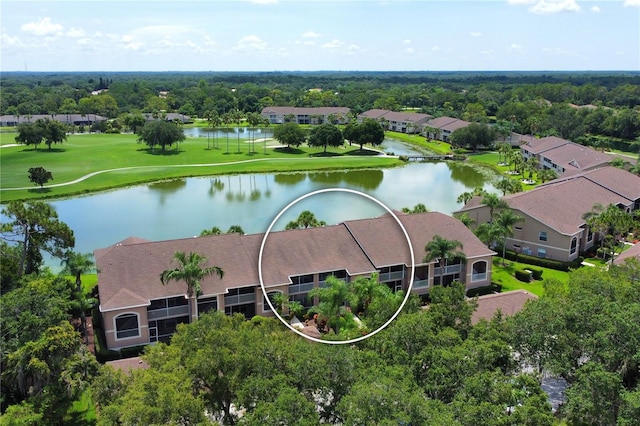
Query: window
{"type": "Point", "coordinates": [207, 304]}
{"type": "Point", "coordinates": [265, 303]}
{"type": "Point", "coordinates": [589, 235]}
{"type": "Point", "coordinates": [574, 244]}
{"type": "Point", "coordinates": [127, 326]}
{"type": "Point", "coordinates": [542, 236]}
{"type": "Point", "coordinates": [542, 253]}
{"type": "Point", "coordinates": [518, 228]}
{"type": "Point", "coordinates": [479, 272]}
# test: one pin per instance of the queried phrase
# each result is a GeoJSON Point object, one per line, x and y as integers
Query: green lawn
{"type": "Point", "coordinates": [437, 147]}
{"type": "Point", "coordinates": [128, 162]}
{"type": "Point", "coordinates": [504, 275]}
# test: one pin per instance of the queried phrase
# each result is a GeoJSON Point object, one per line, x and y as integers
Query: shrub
{"type": "Point", "coordinates": [522, 275]}
{"type": "Point", "coordinates": [403, 158]}
{"type": "Point", "coordinates": [102, 353]}
{"type": "Point", "coordinates": [132, 351]}
{"type": "Point", "coordinates": [536, 273]}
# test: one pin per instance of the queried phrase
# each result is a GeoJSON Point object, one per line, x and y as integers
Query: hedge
{"type": "Point", "coordinates": [543, 262]}
{"type": "Point", "coordinates": [522, 275]}
{"type": "Point", "coordinates": [482, 291]}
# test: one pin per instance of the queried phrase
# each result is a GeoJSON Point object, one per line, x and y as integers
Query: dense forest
{"type": "Point", "coordinates": [585, 107]}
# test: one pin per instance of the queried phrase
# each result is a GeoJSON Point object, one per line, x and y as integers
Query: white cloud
{"type": "Point", "coordinates": [475, 34]}
{"type": "Point", "coordinates": [406, 41]}
{"type": "Point", "coordinates": [515, 47]}
{"type": "Point", "coordinates": [595, 9]}
{"type": "Point", "coordinates": [252, 43]}
{"type": "Point", "coordinates": [75, 32]}
{"type": "Point", "coordinates": [543, 7]}
{"type": "Point", "coordinates": [43, 27]}
{"type": "Point", "coordinates": [409, 50]}
{"type": "Point", "coordinates": [635, 3]}
{"type": "Point", "coordinates": [311, 34]}
{"type": "Point", "coordinates": [333, 44]}
{"type": "Point", "coordinates": [353, 48]}
{"type": "Point", "coordinates": [435, 48]}
{"type": "Point", "coordinates": [7, 40]}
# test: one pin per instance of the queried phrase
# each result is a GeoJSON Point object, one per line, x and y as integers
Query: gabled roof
{"type": "Point", "coordinates": [508, 303]}
{"type": "Point", "coordinates": [630, 253]}
{"type": "Point", "coordinates": [403, 117]}
{"type": "Point", "coordinates": [129, 271]}
{"type": "Point", "coordinates": [562, 204]}
{"type": "Point", "coordinates": [449, 124]}
{"type": "Point", "coordinates": [614, 179]}
{"type": "Point", "coordinates": [385, 244]}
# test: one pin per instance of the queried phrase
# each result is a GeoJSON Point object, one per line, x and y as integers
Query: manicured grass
{"type": "Point", "coordinates": [82, 412]}
{"type": "Point", "coordinates": [504, 275]}
{"type": "Point", "coordinates": [434, 146]}
{"type": "Point", "coordinates": [128, 162]}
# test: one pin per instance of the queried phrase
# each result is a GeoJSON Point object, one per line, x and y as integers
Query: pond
{"type": "Point", "coordinates": [182, 208]}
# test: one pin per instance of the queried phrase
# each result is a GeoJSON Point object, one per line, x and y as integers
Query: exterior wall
{"type": "Point", "coordinates": [108, 320]}
{"type": "Point", "coordinates": [472, 280]}
{"type": "Point", "coordinates": [263, 308]}
{"type": "Point", "coordinates": [557, 245]}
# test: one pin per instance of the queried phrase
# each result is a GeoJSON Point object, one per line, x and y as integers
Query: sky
{"type": "Point", "coordinates": [315, 35]}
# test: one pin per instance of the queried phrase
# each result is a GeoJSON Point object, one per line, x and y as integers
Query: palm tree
{"type": "Point", "coordinates": [494, 203]}
{"type": "Point", "coordinates": [443, 251]}
{"type": "Point", "coordinates": [505, 220]}
{"type": "Point", "coordinates": [190, 271]}
{"type": "Point", "coordinates": [226, 119]}
{"type": "Point", "coordinates": [238, 116]}
{"type": "Point", "coordinates": [266, 123]}
{"type": "Point", "coordinates": [76, 265]}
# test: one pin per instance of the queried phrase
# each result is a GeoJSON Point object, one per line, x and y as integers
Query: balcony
{"type": "Point", "coordinates": [451, 269]}
{"type": "Point", "coordinates": [239, 299]}
{"type": "Point", "coordinates": [390, 276]}
{"type": "Point", "coordinates": [300, 288]}
{"type": "Point", "coordinates": [174, 311]}
{"type": "Point", "coordinates": [420, 284]}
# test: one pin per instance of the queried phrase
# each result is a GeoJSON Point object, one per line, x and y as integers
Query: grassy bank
{"type": "Point", "coordinates": [118, 161]}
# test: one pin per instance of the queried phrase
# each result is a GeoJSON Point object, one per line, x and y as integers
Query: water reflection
{"type": "Point", "coordinates": [253, 200]}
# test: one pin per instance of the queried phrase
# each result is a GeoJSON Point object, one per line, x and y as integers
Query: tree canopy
{"type": "Point", "coordinates": [325, 135]}
{"type": "Point", "coordinates": [160, 133]}
{"type": "Point", "coordinates": [289, 134]}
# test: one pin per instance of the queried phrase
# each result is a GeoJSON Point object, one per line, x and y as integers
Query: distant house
{"type": "Point", "coordinates": [632, 252]}
{"type": "Point", "coordinates": [404, 122]}
{"type": "Point", "coordinates": [562, 156]}
{"type": "Point", "coordinates": [441, 128]}
{"type": "Point", "coordinates": [306, 115]}
{"type": "Point", "coordinates": [72, 119]}
{"type": "Point", "coordinates": [508, 303]}
{"type": "Point", "coordinates": [553, 225]}
{"type": "Point", "coordinates": [137, 309]}
{"type": "Point", "coordinates": [169, 116]}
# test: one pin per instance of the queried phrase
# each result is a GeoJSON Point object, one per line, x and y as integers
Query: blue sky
{"type": "Point", "coordinates": [280, 35]}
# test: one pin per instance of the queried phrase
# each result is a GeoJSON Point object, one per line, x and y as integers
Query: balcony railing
{"type": "Point", "coordinates": [168, 312]}
{"type": "Point", "coordinates": [300, 288]}
{"type": "Point", "coordinates": [418, 284]}
{"type": "Point", "coordinates": [390, 276]}
{"type": "Point", "coordinates": [450, 269]}
{"type": "Point", "coordinates": [239, 299]}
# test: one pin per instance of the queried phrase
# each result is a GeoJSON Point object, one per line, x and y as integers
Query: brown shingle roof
{"type": "Point", "coordinates": [130, 272]}
{"type": "Point", "coordinates": [631, 252]}
{"type": "Point", "coordinates": [560, 205]}
{"type": "Point", "coordinates": [509, 303]}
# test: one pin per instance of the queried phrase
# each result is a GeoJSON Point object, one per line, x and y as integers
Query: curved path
{"type": "Point", "coordinates": [87, 176]}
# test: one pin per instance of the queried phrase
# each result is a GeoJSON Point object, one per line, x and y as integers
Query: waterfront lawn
{"type": "Point", "coordinates": [127, 162]}
{"type": "Point", "coordinates": [505, 276]}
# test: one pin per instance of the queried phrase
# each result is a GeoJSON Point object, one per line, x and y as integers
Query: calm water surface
{"type": "Point", "coordinates": [184, 207]}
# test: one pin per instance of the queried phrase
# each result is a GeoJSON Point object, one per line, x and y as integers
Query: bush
{"type": "Point", "coordinates": [545, 263]}
{"type": "Point", "coordinates": [522, 275]}
{"type": "Point", "coordinates": [403, 158]}
{"type": "Point", "coordinates": [102, 353]}
{"type": "Point", "coordinates": [132, 351]}
{"type": "Point", "coordinates": [536, 273]}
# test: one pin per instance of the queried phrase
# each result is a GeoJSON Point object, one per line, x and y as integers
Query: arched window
{"type": "Point", "coordinates": [574, 245]}
{"type": "Point", "coordinates": [127, 325]}
{"type": "Point", "coordinates": [479, 271]}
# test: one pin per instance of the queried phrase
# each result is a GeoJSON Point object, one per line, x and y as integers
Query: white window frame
{"type": "Point", "coordinates": [115, 326]}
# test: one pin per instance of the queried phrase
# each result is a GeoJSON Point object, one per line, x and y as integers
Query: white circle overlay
{"type": "Point", "coordinates": [350, 191]}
